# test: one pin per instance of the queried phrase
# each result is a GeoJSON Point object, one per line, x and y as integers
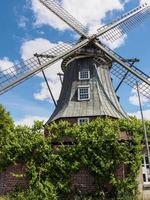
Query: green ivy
{"type": "Point", "coordinates": [97, 146]}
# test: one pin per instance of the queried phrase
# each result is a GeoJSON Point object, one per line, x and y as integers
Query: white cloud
{"type": "Point", "coordinates": [44, 16]}
{"type": "Point", "coordinates": [5, 64]}
{"type": "Point", "coordinates": [117, 43]}
{"type": "Point", "coordinates": [146, 114]}
{"type": "Point", "coordinates": [53, 81]}
{"type": "Point", "coordinates": [29, 120]}
{"type": "Point", "coordinates": [133, 98]}
{"type": "Point", "coordinates": [145, 1]}
{"type": "Point", "coordinates": [92, 12]}
{"type": "Point", "coordinates": [22, 22]}
{"type": "Point", "coordinates": [89, 14]}
{"type": "Point", "coordinates": [39, 45]}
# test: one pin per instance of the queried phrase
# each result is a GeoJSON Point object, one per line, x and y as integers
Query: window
{"type": "Point", "coordinates": [82, 121]}
{"type": "Point", "coordinates": [84, 74]}
{"type": "Point", "coordinates": [145, 168]}
{"type": "Point", "coordinates": [83, 93]}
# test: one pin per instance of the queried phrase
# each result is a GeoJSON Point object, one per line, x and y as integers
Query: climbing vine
{"type": "Point", "coordinates": [100, 146]}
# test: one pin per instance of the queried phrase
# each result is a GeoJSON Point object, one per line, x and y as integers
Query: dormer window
{"type": "Point", "coordinates": [84, 74]}
{"type": "Point", "coordinates": [83, 92]}
{"type": "Point", "coordinates": [82, 121]}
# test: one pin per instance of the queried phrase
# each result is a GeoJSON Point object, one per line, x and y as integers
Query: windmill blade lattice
{"type": "Point", "coordinates": [132, 75]}
{"type": "Point", "coordinates": [58, 10]}
{"type": "Point", "coordinates": [130, 79]}
{"type": "Point", "coordinates": [124, 24]}
{"type": "Point", "coordinates": [24, 70]}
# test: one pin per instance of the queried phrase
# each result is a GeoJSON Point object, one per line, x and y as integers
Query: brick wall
{"type": "Point", "coordinates": [13, 177]}
{"type": "Point", "coordinates": [83, 181]}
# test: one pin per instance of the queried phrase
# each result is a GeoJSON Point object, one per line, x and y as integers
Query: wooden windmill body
{"type": "Point", "coordinates": [87, 91]}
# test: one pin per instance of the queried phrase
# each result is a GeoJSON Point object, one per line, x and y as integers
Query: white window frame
{"type": "Point", "coordinates": [83, 118]}
{"type": "Point", "coordinates": [145, 170]}
{"type": "Point", "coordinates": [84, 78]}
{"type": "Point", "coordinates": [83, 87]}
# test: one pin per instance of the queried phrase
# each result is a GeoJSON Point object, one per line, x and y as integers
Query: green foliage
{"type": "Point", "coordinates": [97, 146]}
{"type": "Point", "coordinates": [4, 198]}
{"type": "Point", "coordinates": [6, 134]}
{"type": "Point", "coordinates": [6, 125]}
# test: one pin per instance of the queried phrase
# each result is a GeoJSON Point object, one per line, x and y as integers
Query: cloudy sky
{"type": "Point", "coordinates": [28, 27]}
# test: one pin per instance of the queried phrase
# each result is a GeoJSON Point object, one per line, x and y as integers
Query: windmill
{"type": "Point", "coordinates": [87, 89]}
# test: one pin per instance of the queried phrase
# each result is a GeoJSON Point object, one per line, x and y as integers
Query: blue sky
{"type": "Point", "coordinates": [26, 27]}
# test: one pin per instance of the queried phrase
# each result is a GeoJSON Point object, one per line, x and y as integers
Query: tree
{"type": "Point", "coordinates": [6, 125]}
{"type": "Point", "coordinates": [6, 133]}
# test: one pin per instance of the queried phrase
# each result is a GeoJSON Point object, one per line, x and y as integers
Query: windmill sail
{"type": "Point", "coordinates": [56, 8]}
{"type": "Point", "coordinates": [26, 69]}
{"type": "Point", "coordinates": [110, 32]}
{"type": "Point", "coordinates": [124, 24]}
{"type": "Point", "coordinates": [122, 70]}
{"type": "Point", "coordinates": [130, 79]}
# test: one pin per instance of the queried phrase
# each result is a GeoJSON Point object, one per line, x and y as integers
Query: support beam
{"type": "Point", "coordinates": [44, 55]}
{"type": "Point", "coordinates": [144, 127]}
{"type": "Point", "coordinates": [49, 89]}
{"type": "Point", "coordinates": [133, 61]}
{"type": "Point", "coordinates": [60, 77]}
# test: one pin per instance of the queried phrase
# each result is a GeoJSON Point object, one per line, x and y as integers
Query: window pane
{"type": "Point", "coordinates": [84, 75]}
{"type": "Point", "coordinates": [83, 93]}
{"type": "Point", "coordinates": [82, 121]}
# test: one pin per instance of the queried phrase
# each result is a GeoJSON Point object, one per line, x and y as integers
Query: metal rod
{"type": "Point", "coordinates": [43, 56]}
{"type": "Point", "coordinates": [60, 77]}
{"type": "Point", "coordinates": [144, 127]}
{"type": "Point", "coordinates": [49, 87]}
